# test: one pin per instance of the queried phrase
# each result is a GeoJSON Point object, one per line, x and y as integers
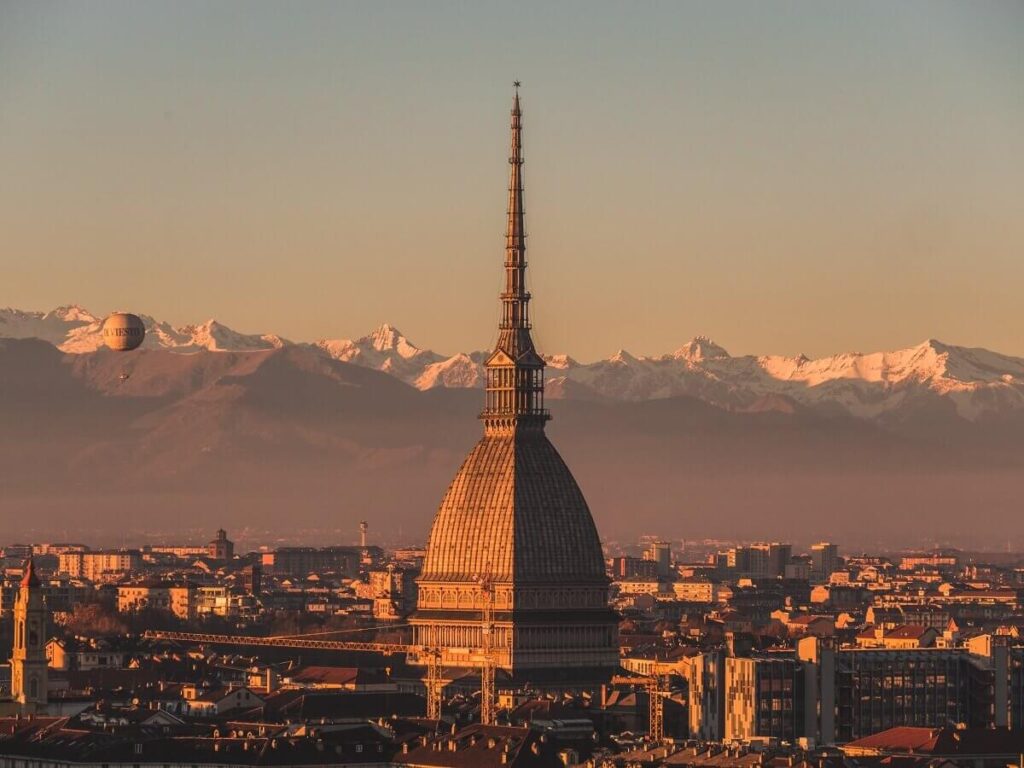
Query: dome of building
{"type": "Point", "coordinates": [515, 513]}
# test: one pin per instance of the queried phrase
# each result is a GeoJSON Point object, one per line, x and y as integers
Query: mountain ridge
{"type": "Point", "coordinates": [287, 438]}
{"type": "Point", "coordinates": [976, 381]}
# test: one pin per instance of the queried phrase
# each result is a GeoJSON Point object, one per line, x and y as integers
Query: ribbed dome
{"type": "Point", "coordinates": [514, 512]}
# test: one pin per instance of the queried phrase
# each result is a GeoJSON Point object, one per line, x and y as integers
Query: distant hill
{"type": "Point", "coordinates": [289, 438]}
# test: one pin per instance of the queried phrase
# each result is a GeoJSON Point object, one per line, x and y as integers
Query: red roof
{"type": "Point", "coordinates": [326, 675]}
{"type": "Point", "coordinates": [903, 739]}
{"type": "Point", "coordinates": [943, 741]}
{"type": "Point", "coordinates": [902, 632]}
{"type": "Point", "coordinates": [808, 620]}
{"type": "Point", "coordinates": [907, 632]}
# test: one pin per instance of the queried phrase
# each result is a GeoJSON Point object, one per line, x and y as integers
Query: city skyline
{"type": "Point", "coordinates": [785, 180]}
{"type": "Point", "coordinates": [296, 549]}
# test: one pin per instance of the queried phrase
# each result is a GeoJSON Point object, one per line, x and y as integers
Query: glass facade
{"type": "Point", "coordinates": [880, 689]}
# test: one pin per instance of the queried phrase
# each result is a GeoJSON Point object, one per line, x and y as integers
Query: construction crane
{"type": "Point", "coordinates": [657, 688]}
{"type": "Point", "coordinates": [429, 654]}
{"type": "Point", "coordinates": [487, 662]}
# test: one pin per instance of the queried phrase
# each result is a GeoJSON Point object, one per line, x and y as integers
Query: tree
{"type": "Point", "coordinates": [95, 620]}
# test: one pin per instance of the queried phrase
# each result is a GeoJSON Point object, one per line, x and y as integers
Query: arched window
{"type": "Point", "coordinates": [33, 687]}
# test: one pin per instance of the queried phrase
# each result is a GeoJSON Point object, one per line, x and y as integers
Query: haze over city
{"type": "Point", "coordinates": [325, 182]}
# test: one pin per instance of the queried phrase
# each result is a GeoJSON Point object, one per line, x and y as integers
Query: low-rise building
{"type": "Point", "coordinates": [299, 561]}
{"type": "Point", "coordinates": [172, 597]}
{"type": "Point", "coordinates": [901, 636]}
{"type": "Point", "coordinates": [338, 678]}
{"type": "Point", "coordinates": [643, 587]}
{"type": "Point", "coordinates": [67, 654]}
{"type": "Point", "coordinates": [107, 565]}
{"type": "Point", "coordinates": [213, 702]}
{"type": "Point", "coordinates": [393, 591]}
{"type": "Point", "coordinates": [694, 591]}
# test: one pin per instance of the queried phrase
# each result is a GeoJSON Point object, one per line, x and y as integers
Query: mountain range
{"type": "Point", "coordinates": [205, 426]}
{"type": "Point", "coordinates": [976, 383]}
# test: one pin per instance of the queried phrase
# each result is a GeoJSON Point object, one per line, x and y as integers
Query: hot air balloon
{"type": "Point", "coordinates": [123, 332]}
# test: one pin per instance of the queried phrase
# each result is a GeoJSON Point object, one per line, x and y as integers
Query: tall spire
{"type": "Point", "coordinates": [515, 234]}
{"type": "Point", "coordinates": [29, 578]}
{"type": "Point", "coordinates": [515, 372]}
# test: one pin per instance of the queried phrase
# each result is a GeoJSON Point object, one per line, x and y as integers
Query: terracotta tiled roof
{"type": "Point", "coordinates": [481, 746]}
{"type": "Point", "coordinates": [942, 741]}
{"type": "Point", "coordinates": [325, 675]}
{"type": "Point", "coordinates": [907, 632]}
{"type": "Point", "coordinates": [901, 739]}
{"type": "Point", "coordinates": [64, 740]}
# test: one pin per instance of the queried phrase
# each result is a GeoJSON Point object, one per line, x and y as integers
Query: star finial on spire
{"type": "Point", "coordinates": [516, 84]}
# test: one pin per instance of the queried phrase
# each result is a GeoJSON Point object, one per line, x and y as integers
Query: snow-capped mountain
{"type": "Point", "coordinates": [971, 381]}
{"type": "Point", "coordinates": [699, 348]}
{"type": "Point", "coordinates": [53, 326]}
{"type": "Point", "coordinates": [76, 330]}
{"type": "Point", "coordinates": [866, 385]}
{"type": "Point", "coordinates": [869, 385]}
{"type": "Point", "coordinates": [385, 349]}
{"type": "Point", "coordinates": [460, 371]}
{"type": "Point", "coordinates": [211, 335]}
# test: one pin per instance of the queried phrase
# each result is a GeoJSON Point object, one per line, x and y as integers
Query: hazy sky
{"type": "Point", "coordinates": [784, 177]}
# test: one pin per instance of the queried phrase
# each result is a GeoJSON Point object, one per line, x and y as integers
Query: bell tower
{"type": "Point", "coordinates": [28, 662]}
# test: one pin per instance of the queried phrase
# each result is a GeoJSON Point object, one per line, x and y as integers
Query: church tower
{"type": "Point", "coordinates": [28, 662]}
{"type": "Point", "coordinates": [513, 538]}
